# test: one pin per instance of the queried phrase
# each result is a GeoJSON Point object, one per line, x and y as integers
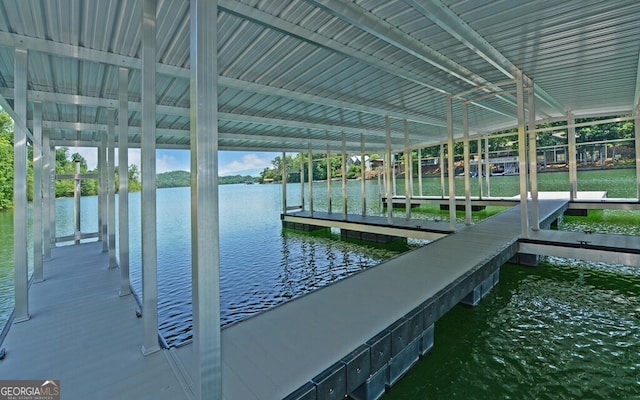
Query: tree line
{"type": "Point", "coordinates": [507, 141]}
{"type": "Point", "coordinates": [65, 164]}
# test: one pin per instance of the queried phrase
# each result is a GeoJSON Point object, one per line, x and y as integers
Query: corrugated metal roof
{"type": "Point", "coordinates": [298, 72]}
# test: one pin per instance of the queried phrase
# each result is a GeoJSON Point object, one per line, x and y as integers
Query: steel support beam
{"type": "Point", "coordinates": [387, 171]}
{"type": "Point", "coordinates": [522, 155]}
{"type": "Point", "coordinates": [420, 171]}
{"type": "Point", "coordinates": [123, 180]}
{"type": "Point", "coordinates": [285, 173]}
{"type": "Point", "coordinates": [310, 173]}
{"type": "Point", "coordinates": [573, 166]}
{"type": "Point", "coordinates": [102, 193]}
{"type": "Point", "coordinates": [77, 206]}
{"type": "Point", "coordinates": [479, 169]}
{"type": "Point", "coordinates": [363, 176]}
{"type": "Point", "coordinates": [38, 272]}
{"type": "Point", "coordinates": [465, 155]}
{"type": "Point", "coordinates": [487, 166]}
{"type": "Point", "coordinates": [52, 197]}
{"type": "Point", "coordinates": [302, 180]}
{"type": "Point", "coordinates": [21, 263]}
{"type": "Point", "coordinates": [344, 177]}
{"type": "Point", "coordinates": [451, 169]}
{"type": "Point", "coordinates": [408, 172]}
{"type": "Point", "coordinates": [328, 179]}
{"type": "Point", "coordinates": [111, 187]}
{"type": "Point", "coordinates": [636, 121]}
{"type": "Point", "coordinates": [442, 168]}
{"type": "Point", "coordinates": [148, 170]}
{"type": "Point", "coordinates": [46, 195]}
{"type": "Point", "coordinates": [533, 160]}
{"type": "Point", "coordinates": [205, 229]}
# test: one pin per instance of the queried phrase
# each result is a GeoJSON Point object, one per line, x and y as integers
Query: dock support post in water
{"type": "Point", "coordinates": [38, 273]}
{"type": "Point", "coordinates": [52, 196]}
{"type": "Point", "coordinates": [123, 179]}
{"type": "Point", "coordinates": [451, 169]}
{"type": "Point", "coordinates": [148, 170]}
{"type": "Point", "coordinates": [522, 155]}
{"type": "Point", "coordinates": [77, 195]}
{"type": "Point", "coordinates": [20, 188]}
{"type": "Point", "coordinates": [205, 229]}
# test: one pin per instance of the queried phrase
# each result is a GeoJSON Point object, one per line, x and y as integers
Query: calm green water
{"type": "Point", "coordinates": [565, 330]}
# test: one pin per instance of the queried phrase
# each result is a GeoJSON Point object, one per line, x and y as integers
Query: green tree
{"type": "Point", "coordinates": [6, 161]}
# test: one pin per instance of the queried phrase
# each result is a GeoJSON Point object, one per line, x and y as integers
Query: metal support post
{"type": "Point", "coordinates": [522, 155]}
{"type": "Point", "coordinates": [52, 198]}
{"type": "Point", "coordinates": [408, 171]}
{"type": "Point", "coordinates": [344, 176]}
{"type": "Point", "coordinates": [451, 170]}
{"type": "Point", "coordinates": [77, 195]}
{"type": "Point", "coordinates": [636, 121]}
{"type": "Point", "coordinates": [573, 168]}
{"type": "Point", "coordinates": [479, 170]}
{"type": "Point", "coordinates": [419, 172]}
{"type": "Point", "coordinates": [46, 194]}
{"type": "Point", "coordinates": [442, 168]}
{"type": "Point", "coordinates": [467, 172]}
{"type": "Point", "coordinates": [533, 160]}
{"type": "Point", "coordinates": [328, 179]}
{"type": "Point", "coordinates": [310, 173]}
{"type": "Point", "coordinates": [148, 170]}
{"type": "Point", "coordinates": [38, 272]}
{"type": "Point", "coordinates": [387, 171]}
{"type": "Point", "coordinates": [21, 263]}
{"type": "Point", "coordinates": [487, 166]}
{"type": "Point", "coordinates": [123, 179]}
{"type": "Point", "coordinates": [363, 175]}
{"type": "Point", "coordinates": [284, 183]}
{"type": "Point", "coordinates": [102, 194]}
{"type": "Point", "coordinates": [302, 180]}
{"type": "Point", "coordinates": [111, 187]}
{"type": "Point", "coordinates": [205, 230]}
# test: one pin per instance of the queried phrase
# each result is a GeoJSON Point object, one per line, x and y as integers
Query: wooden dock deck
{"type": "Point", "coordinates": [401, 227]}
{"type": "Point", "coordinates": [84, 334]}
{"type": "Point", "coordinates": [271, 354]}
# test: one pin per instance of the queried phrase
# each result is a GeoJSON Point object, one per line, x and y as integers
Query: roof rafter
{"type": "Point", "coordinates": [82, 53]}
{"type": "Point", "coordinates": [446, 19]}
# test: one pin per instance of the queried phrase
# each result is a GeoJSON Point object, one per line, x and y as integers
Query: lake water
{"type": "Point", "coordinates": [564, 330]}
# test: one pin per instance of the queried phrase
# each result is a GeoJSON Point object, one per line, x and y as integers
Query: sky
{"type": "Point", "coordinates": [229, 162]}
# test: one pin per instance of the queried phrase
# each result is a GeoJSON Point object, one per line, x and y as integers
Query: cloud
{"type": "Point", "coordinates": [249, 164]}
{"type": "Point", "coordinates": [169, 162]}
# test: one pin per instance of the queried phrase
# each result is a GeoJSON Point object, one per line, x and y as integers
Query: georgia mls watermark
{"type": "Point", "coordinates": [29, 390]}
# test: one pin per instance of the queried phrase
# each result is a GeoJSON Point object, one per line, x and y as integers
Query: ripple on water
{"type": "Point", "coordinates": [554, 332]}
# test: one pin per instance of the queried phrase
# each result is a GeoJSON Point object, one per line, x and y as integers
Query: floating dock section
{"type": "Point", "coordinates": [360, 335]}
